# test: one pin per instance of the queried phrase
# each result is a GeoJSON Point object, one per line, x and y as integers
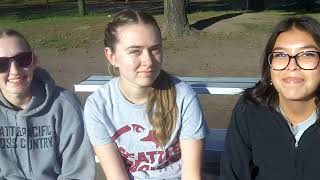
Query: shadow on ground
{"type": "Point", "coordinates": [204, 23]}
{"type": "Point", "coordinates": [153, 7]}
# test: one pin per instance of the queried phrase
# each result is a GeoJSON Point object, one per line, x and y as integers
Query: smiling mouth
{"type": "Point", "coordinates": [293, 80]}
{"type": "Point", "coordinates": [17, 80]}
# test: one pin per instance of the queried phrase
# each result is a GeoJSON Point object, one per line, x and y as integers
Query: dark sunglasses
{"type": "Point", "coordinates": [23, 60]}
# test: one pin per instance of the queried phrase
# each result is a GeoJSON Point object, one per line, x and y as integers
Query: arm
{"type": "Point", "coordinates": [236, 160]}
{"type": "Point", "coordinates": [75, 150]}
{"type": "Point", "coordinates": [193, 132]}
{"type": "Point", "coordinates": [111, 162]}
{"type": "Point", "coordinates": [1, 176]}
{"type": "Point", "coordinates": [191, 158]}
{"type": "Point", "coordinates": [97, 123]}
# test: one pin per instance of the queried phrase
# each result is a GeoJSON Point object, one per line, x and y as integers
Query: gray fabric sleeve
{"type": "Point", "coordinates": [194, 125]}
{"type": "Point", "coordinates": [76, 151]}
{"type": "Point", "coordinates": [1, 176]}
{"type": "Point", "coordinates": [95, 123]}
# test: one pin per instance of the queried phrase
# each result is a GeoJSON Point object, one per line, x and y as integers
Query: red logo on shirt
{"type": "Point", "coordinates": [146, 160]}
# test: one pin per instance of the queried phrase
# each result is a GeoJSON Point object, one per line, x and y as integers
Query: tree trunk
{"type": "Point", "coordinates": [81, 7]}
{"type": "Point", "coordinates": [255, 5]}
{"type": "Point", "coordinates": [187, 6]}
{"type": "Point", "coordinates": [176, 21]}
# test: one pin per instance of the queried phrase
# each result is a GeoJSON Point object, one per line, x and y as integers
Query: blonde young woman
{"type": "Point", "coordinates": [42, 135]}
{"type": "Point", "coordinates": [143, 124]}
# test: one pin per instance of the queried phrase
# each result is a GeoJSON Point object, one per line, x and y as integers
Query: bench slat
{"type": "Point", "coordinates": [201, 85]}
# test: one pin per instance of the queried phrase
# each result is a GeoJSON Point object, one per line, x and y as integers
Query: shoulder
{"type": "Point", "coordinates": [251, 114]}
{"type": "Point", "coordinates": [105, 94]}
{"type": "Point", "coordinates": [182, 88]}
{"type": "Point", "coordinates": [244, 105]}
{"type": "Point", "coordinates": [66, 98]}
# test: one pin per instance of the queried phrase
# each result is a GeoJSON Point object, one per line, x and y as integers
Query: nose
{"type": "Point", "coordinates": [147, 59]}
{"type": "Point", "coordinates": [292, 66]}
{"type": "Point", "coordinates": [13, 68]}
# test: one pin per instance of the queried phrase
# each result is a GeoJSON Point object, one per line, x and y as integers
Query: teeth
{"type": "Point", "coordinates": [15, 80]}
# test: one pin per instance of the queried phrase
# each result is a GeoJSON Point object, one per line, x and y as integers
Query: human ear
{"type": "Point", "coordinates": [110, 56]}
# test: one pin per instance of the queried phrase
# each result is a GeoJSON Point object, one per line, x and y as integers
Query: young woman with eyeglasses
{"type": "Point", "coordinates": [143, 124]}
{"type": "Point", "coordinates": [42, 133]}
{"type": "Point", "coordinates": [274, 131]}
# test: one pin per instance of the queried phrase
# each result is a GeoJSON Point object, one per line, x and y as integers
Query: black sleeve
{"type": "Point", "coordinates": [237, 157]}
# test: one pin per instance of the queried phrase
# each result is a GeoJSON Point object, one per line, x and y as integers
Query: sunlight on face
{"type": "Point", "coordinates": [138, 54]}
{"type": "Point", "coordinates": [16, 81]}
{"type": "Point", "coordinates": [294, 83]}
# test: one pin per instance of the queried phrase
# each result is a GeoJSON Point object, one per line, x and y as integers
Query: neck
{"type": "Point", "coordinates": [134, 94]}
{"type": "Point", "coordinates": [297, 111]}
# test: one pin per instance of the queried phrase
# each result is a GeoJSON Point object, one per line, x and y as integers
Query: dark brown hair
{"type": "Point", "coordinates": [264, 93]}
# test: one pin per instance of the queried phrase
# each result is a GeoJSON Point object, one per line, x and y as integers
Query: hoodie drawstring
{"type": "Point", "coordinates": [13, 155]}
{"type": "Point", "coordinates": [29, 158]}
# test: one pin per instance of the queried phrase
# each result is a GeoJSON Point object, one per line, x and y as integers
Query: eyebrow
{"type": "Point", "coordinates": [138, 47]}
{"type": "Point", "coordinates": [303, 47]}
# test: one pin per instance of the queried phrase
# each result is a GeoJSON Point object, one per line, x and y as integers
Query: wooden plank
{"type": "Point", "coordinates": [202, 85]}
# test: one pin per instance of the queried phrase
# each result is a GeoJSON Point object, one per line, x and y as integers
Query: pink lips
{"type": "Point", "coordinates": [148, 72]}
{"type": "Point", "coordinates": [292, 80]}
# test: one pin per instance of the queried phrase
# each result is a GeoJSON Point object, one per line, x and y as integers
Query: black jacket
{"type": "Point", "coordinates": [260, 146]}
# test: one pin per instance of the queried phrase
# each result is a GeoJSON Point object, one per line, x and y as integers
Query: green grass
{"type": "Point", "coordinates": [61, 32]}
{"type": "Point", "coordinates": [64, 32]}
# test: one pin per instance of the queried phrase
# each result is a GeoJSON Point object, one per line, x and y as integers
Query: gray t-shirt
{"type": "Point", "coordinates": [109, 117]}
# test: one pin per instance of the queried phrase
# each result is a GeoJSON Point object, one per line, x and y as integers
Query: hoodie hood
{"type": "Point", "coordinates": [42, 87]}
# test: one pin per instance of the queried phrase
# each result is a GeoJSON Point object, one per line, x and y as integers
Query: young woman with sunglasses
{"type": "Point", "coordinates": [274, 132]}
{"type": "Point", "coordinates": [144, 124]}
{"type": "Point", "coordinates": [42, 134]}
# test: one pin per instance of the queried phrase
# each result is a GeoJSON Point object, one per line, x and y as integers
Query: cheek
{"type": "Point", "coordinates": [159, 58]}
{"type": "Point", "coordinates": [274, 76]}
{"type": "Point", "coordinates": [3, 78]}
{"type": "Point", "coordinates": [275, 79]}
{"type": "Point", "coordinates": [314, 78]}
{"type": "Point", "coordinates": [128, 64]}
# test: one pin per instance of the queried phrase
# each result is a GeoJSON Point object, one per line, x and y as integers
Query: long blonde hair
{"type": "Point", "coordinates": [162, 110]}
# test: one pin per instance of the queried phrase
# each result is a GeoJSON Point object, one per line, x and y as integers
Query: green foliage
{"type": "Point", "coordinates": [61, 32]}
{"type": "Point", "coordinates": [72, 31]}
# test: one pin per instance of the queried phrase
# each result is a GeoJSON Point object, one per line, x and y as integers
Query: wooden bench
{"type": "Point", "coordinates": [202, 85]}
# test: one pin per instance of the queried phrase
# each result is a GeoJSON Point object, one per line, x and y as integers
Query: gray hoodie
{"type": "Point", "coordinates": [46, 140]}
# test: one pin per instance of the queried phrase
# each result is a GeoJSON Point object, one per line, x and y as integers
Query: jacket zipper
{"type": "Point", "coordinates": [296, 157]}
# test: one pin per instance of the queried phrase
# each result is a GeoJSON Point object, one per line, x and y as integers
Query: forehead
{"type": "Point", "coordinates": [295, 39]}
{"type": "Point", "coordinates": [138, 34]}
{"type": "Point", "coordinates": [10, 46]}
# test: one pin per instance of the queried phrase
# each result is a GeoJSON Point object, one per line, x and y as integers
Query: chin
{"type": "Point", "coordinates": [17, 90]}
{"type": "Point", "coordinates": [147, 81]}
{"type": "Point", "coordinates": [298, 97]}
{"type": "Point", "coordinates": [146, 84]}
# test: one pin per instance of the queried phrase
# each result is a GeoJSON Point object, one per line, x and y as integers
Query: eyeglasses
{"type": "Point", "coordinates": [306, 60]}
{"type": "Point", "coordinates": [23, 60]}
